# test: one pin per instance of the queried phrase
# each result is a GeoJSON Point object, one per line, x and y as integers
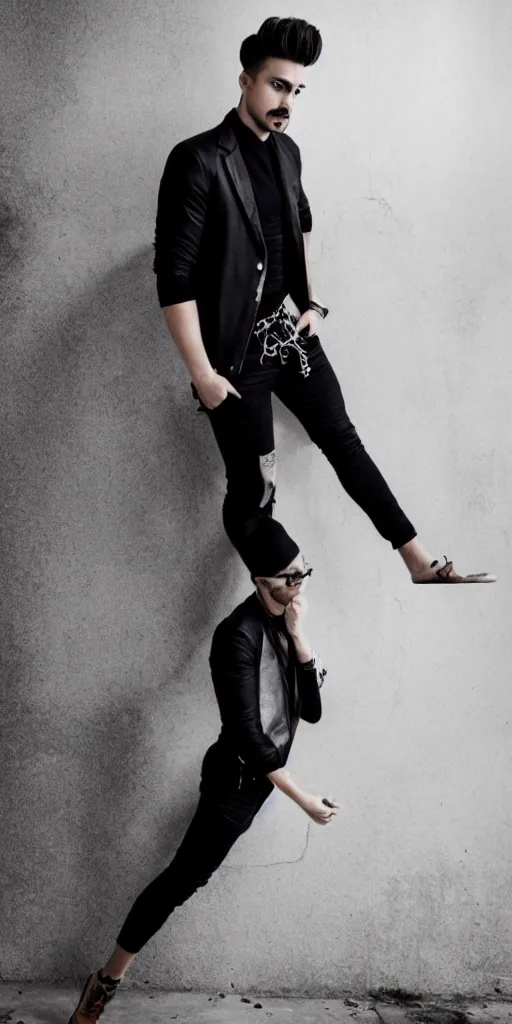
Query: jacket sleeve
{"type": "Point", "coordinates": [305, 216]}
{"type": "Point", "coordinates": [180, 219]}
{"type": "Point", "coordinates": [234, 666]}
{"type": "Point", "coordinates": [309, 681]}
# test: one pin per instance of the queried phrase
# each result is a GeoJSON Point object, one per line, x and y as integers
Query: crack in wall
{"type": "Point", "coordinates": [276, 863]}
{"type": "Point", "coordinates": [383, 203]}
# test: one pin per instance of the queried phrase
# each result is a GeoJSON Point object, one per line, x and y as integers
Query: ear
{"type": "Point", "coordinates": [242, 79]}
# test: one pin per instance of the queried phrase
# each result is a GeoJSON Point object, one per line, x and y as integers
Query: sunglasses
{"type": "Point", "coordinates": [294, 578]}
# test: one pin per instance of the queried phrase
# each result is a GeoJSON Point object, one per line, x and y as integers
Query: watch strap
{"type": "Point", "coordinates": [321, 310]}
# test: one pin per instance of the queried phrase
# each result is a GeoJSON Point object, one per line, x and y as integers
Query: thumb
{"type": "Point", "coordinates": [232, 390]}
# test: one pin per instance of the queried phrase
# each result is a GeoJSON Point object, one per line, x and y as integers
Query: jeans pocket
{"type": "Point", "coordinates": [238, 801]}
{"type": "Point", "coordinates": [238, 807]}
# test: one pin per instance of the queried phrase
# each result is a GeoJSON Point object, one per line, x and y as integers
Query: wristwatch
{"type": "Point", "coordinates": [317, 665]}
{"type": "Point", "coordinates": [321, 310]}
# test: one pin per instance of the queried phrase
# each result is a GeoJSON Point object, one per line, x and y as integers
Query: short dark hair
{"type": "Point", "coordinates": [289, 38]}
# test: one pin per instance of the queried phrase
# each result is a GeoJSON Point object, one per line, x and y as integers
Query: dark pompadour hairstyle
{"type": "Point", "coordinates": [289, 38]}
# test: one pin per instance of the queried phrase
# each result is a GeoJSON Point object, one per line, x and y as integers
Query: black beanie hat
{"type": "Point", "coordinates": [266, 547]}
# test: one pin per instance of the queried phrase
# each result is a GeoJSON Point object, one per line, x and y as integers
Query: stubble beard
{"type": "Point", "coordinates": [280, 599]}
{"type": "Point", "coordinates": [266, 126]}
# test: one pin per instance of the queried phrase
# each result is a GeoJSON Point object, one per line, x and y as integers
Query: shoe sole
{"type": "Point", "coordinates": [452, 582]}
{"type": "Point", "coordinates": [72, 1019]}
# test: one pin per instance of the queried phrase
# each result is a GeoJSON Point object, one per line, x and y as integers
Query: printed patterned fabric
{"type": "Point", "coordinates": [321, 672]}
{"type": "Point", "coordinates": [268, 470]}
{"type": "Point", "coordinates": [278, 334]}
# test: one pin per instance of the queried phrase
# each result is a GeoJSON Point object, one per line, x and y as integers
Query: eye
{"type": "Point", "coordinates": [277, 85]}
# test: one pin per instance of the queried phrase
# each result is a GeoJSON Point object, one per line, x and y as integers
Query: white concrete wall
{"type": "Point", "coordinates": [112, 489]}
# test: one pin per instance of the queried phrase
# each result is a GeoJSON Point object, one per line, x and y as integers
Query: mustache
{"type": "Point", "coordinates": [280, 114]}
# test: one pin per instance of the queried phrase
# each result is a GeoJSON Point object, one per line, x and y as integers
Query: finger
{"type": "Point", "coordinates": [233, 390]}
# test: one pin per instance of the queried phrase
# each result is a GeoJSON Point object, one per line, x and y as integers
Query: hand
{"type": "Point", "coordinates": [320, 809]}
{"type": "Point", "coordinates": [214, 389]}
{"type": "Point", "coordinates": [294, 615]}
{"type": "Point", "coordinates": [309, 319]}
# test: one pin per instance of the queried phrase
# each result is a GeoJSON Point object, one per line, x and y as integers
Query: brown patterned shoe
{"type": "Point", "coordinates": [96, 993]}
{"type": "Point", "coordinates": [446, 574]}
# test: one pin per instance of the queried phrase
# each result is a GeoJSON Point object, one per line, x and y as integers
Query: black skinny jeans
{"type": "Point", "coordinates": [244, 432]}
{"type": "Point", "coordinates": [230, 797]}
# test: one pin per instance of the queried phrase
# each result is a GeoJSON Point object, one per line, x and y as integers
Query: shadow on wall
{"type": "Point", "coordinates": [116, 570]}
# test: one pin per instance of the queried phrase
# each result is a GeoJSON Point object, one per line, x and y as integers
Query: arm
{"type": "Point", "coordinates": [306, 224]}
{"type": "Point", "coordinates": [234, 666]}
{"type": "Point", "coordinates": [306, 236]}
{"type": "Point", "coordinates": [283, 780]}
{"type": "Point", "coordinates": [181, 215]}
{"type": "Point", "coordinates": [311, 292]}
{"type": "Point", "coordinates": [320, 809]}
{"type": "Point", "coordinates": [310, 677]}
{"type": "Point", "coordinates": [310, 672]}
{"type": "Point", "coordinates": [182, 209]}
{"type": "Point", "coordinates": [183, 322]}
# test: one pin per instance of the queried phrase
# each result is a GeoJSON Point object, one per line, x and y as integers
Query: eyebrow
{"type": "Point", "coordinates": [277, 78]}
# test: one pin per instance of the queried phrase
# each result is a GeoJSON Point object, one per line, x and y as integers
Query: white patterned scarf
{"type": "Point", "coordinates": [278, 334]}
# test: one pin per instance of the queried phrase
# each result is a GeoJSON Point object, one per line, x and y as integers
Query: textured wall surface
{"type": "Point", "coordinates": [115, 568]}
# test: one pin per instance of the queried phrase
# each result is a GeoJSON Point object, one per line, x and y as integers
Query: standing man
{"type": "Point", "coordinates": [266, 677]}
{"type": "Point", "coordinates": [232, 233]}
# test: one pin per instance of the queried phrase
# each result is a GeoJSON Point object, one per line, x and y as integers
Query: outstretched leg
{"type": "Point", "coordinates": [317, 402]}
{"type": "Point", "coordinates": [227, 806]}
{"type": "Point", "coordinates": [222, 816]}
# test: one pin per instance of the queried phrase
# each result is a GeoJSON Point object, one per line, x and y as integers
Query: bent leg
{"type": "Point", "coordinates": [244, 432]}
{"type": "Point", "coordinates": [318, 404]}
{"type": "Point", "coordinates": [220, 819]}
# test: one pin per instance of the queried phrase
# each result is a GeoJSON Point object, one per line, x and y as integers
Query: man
{"type": "Point", "coordinates": [232, 232]}
{"type": "Point", "coordinates": [266, 677]}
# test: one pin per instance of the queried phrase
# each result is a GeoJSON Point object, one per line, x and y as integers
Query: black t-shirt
{"type": "Point", "coordinates": [261, 162]}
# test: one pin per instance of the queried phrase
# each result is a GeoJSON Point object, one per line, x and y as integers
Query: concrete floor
{"type": "Point", "coordinates": [26, 1004]}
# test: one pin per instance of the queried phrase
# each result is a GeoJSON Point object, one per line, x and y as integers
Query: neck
{"type": "Point", "coordinates": [246, 118]}
{"type": "Point", "coordinates": [272, 607]}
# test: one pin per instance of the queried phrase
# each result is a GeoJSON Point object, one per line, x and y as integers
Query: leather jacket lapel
{"type": "Point", "coordinates": [240, 177]}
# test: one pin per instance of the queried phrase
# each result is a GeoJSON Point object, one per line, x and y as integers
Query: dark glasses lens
{"type": "Point", "coordinates": [292, 581]}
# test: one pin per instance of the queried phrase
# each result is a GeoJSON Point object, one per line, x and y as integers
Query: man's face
{"type": "Point", "coordinates": [276, 587]}
{"type": "Point", "coordinates": [269, 97]}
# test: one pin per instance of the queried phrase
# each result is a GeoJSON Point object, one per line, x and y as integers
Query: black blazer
{"type": "Point", "coordinates": [261, 697]}
{"type": "Point", "coordinates": [209, 243]}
